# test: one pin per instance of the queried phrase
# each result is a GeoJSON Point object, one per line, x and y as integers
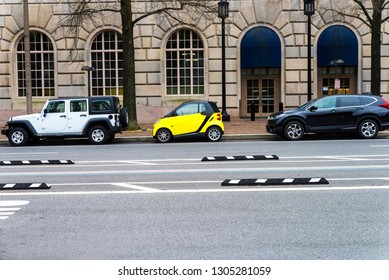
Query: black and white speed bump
{"type": "Point", "coordinates": [275, 181]}
{"type": "Point", "coordinates": [34, 162]}
{"type": "Point", "coordinates": [24, 186]}
{"type": "Point", "coordinates": [253, 157]}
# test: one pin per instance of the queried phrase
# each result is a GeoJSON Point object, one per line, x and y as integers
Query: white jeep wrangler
{"type": "Point", "coordinates": [98, 118]}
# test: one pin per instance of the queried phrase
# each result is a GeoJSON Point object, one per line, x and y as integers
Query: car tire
{"type": "Point", "coordinates": [368, 129]}
{"type": "Point", "coordinates": [164, 135]}
{"type": "Point", "coordinates": [18, 136]}
{"type": "Point", "coordinates": [213, 134]}
{"type": "Point", "coordinates": [123, 117]}
{"type": "Point", "coordinates": [98, 135]}
{"type": "Point", "coordinates": [294, 130]}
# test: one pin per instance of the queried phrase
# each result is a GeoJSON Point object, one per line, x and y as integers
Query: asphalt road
{"type": "Point", "coordinates": [160, 201]}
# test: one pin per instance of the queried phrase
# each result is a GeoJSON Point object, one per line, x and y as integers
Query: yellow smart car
{"type": "Point", "coordinates": [192, 118]}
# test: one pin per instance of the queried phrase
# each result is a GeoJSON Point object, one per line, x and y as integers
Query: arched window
{"type": "Point", "coordinates": [337, 61]}
{"type": "Point", "coordinates": [107, 59]}
{"type": "Point", "coordinates": [260, 48]}
{"type": "Point", "coordinates": [42, 66]}
{"type": "Point", "coordinates": [184, 64]}
{"type": "Point", "coordinates": [261, 71]}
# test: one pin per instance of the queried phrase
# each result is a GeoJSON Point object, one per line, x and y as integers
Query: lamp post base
{"type": "Point", "coordinates": [225, 117]}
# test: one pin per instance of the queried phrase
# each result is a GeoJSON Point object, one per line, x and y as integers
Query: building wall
{"type": "Point", "coordinates": [284, 17]}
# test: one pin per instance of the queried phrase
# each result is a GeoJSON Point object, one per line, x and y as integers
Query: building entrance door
{"type": "Point", "coordinates": [260, 95]}
{"type": "Point", "coordinates": [336, 80]}
{"type": "Point", "coordinates": [336, 86]}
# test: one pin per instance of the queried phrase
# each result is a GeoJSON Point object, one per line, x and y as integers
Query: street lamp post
{"type": "Point", "coordinates": [88, 69]}
{"type": "Point", "coordinates": [309, 10]}
{"type": "Point", "coordinates": [223, 12]}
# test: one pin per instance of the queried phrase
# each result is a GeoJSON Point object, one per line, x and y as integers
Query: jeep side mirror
{"type": "Point", "coordinates": [313, 108]}
{"type": "Point", "coordinates": [44, 113]}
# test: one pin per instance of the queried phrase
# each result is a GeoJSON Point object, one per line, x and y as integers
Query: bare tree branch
{"type": "Point", "coordinates": [188, 12]}
{"type": "Point", "coordinates": [357, 16]}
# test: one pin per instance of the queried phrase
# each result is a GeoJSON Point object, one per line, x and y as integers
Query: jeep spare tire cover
{"type": "Point", "coordinates": [124, 119]}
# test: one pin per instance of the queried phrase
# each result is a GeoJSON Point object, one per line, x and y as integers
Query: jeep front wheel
{"type": "Point", "coordinates": [98, 135]}
{"type": "Point", "coordinates": [18, 136]}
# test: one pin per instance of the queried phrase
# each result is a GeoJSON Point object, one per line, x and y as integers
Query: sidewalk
{"type": "Point", "coordinates": [236, 128]}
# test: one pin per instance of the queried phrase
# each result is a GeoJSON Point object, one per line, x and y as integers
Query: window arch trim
{"type": "Point", "coordinates": [106, 56]}
{"type": "Point", "coordinates": [41, 86]}
{"type": "Point", "coordinates": [185, 63]}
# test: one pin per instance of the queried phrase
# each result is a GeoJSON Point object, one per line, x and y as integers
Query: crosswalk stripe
{"type": "Point", "coordinates": [7, 207]}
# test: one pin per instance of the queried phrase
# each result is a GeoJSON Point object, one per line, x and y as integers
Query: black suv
{"type": "Point", "coordinates": [98, 118]}
{"type": "Point", "coordinates": [353, 113]}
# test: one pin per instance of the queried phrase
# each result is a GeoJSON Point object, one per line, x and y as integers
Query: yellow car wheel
{"type": "Point", "coordinates": [164, 135]}
{"type": "Point", "coordinates": [214, 133]}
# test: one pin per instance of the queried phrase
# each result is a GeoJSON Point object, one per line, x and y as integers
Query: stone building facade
{"type": "Point", "coordinates": [266, 56]}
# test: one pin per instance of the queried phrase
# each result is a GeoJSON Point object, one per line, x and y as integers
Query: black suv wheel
{"type": "Point", "coordinates": [294, 130]}
{"type": "Point", "coordinates": [368, 129]}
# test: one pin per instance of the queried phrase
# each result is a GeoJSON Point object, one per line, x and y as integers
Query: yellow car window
{"type": "Point", "coordinates": [187, 110]}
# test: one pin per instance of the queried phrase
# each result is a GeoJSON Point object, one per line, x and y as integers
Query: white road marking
{"type": "Point", "coordinates": [196, 191]}
{"type": "Point", "coordinates": [378, 146]}
{"type": "Point", "coordinates": [136, 162]}
{"type": "Point", "coordinates": [7, 207]}
{"type": "Point", "coordinates": [194, 170]}
{"type": "Point", "coordinates": [137, 183]}
{"type": "Point", "coordinates": [205, 182]}
{"type": "Point", "coordinates": [10, 203]}
{"type": "Point", "coordinates": [139, 188]}
{"type": "Point", "coordinates": [6, 213]}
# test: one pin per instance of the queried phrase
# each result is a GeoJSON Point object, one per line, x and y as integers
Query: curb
{"type": "Point", "coordinates": [24, 186]}
{"type": "Point", "coordinates": [35, 162]}
{"type": "Point", "coordinates": [230, 158]}
{"type": "Point", "coordinates": [275, 181]}
{"type": "Point", "coordinates": [230, 137]}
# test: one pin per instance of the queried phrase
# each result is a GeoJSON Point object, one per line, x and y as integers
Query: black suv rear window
{"type": "Point", "coordinates": [367, 100]}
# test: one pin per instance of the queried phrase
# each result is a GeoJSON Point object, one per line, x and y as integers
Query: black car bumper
{"type": "Point", "coordinates": [272, 127]}
{"type": "Point", "coordinates": [5, 131]}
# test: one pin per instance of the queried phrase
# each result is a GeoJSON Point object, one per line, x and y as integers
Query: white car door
{"type": "Point", "coordinates": [54, 119]}
{"type": "Point", "coordinates": [77, 116]}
